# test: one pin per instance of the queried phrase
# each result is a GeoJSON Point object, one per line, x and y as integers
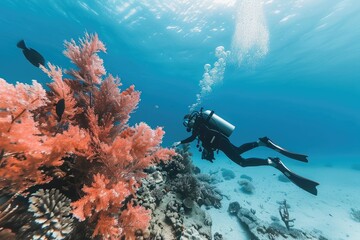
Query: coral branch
{"type": "Point", "coordinates": [104, 157]}
{"type": "Point", "coordinates": [284, 214]}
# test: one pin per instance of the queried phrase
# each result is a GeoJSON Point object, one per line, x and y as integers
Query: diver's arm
{"type": "Point", "coordinates": [189, 139]}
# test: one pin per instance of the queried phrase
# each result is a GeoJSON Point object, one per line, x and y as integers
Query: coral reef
{"type": "Point", "coordinates": [180, 163]}
{"type": "Point", "coordinates": [181, 178]}
{"type": "Point", "coordinates": [175, 201]}
{"type": "Point", "coordinates": [75, 138]}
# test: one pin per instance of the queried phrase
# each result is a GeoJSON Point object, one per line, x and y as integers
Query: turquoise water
{"type": "Point", "coordinates": [297, 79]}
{"type": "Point", "coordinates": [290, 70]}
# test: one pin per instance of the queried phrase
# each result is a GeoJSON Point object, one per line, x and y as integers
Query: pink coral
{"type": "Point", "coordinates": [123, 152]}
{"type": "Point", "coordinates": [24, 150]}
{"type": "Point", "coordinates": [90, 65]}
{"type": "Point", "coordinates": [134, 218]}
{"type": "Point", "coordinates": [107, 156]}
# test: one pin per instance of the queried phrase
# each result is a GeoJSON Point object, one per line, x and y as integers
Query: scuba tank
{"type": "Point", "coordinates": [218, 123]}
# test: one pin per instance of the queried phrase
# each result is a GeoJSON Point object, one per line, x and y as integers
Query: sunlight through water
{"type": "Point", "coordinates": [251, 38]}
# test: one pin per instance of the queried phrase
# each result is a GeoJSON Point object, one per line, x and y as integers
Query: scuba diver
{"type": "Point", "coordinates": [213, 132]}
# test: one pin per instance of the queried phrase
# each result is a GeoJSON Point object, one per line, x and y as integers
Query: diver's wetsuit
{"type": "Point", "coordinates": [212, 140]}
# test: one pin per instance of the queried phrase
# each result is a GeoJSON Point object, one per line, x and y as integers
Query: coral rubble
{"type": "Point", "coordinates": [259, 229]}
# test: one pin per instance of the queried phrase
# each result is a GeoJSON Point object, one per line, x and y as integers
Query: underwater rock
{"type": "Point", "coordinates": [206, 178]}
{"type": "Point", "coordinates": [158, 194]}
{"type": "Point", "coordinates": [274, 218]}
{"type": "Point", "coordinates": [218, 236]}
{"type": "Point", "coordinates": [170, 222]}
{"type": "Point", "coordinates": [200, 220]}
{"type": "Point", "coordinates": [260, 230]}
{"type": "Point", "coordinates": [146, 197]}
{"type": "Point", "coordinates": [188, 203]}
{"type": "Point", "coordinates": [191, 234]}
{"type": "Point", "coordinates": [227, 174]}
{"type": "Point", "coordinates": [246, 187]}
{"type": "Point", "coordinates": [233, 208]}
{"type": "Point", "coordinates": [155, 177]}
{"type": "Point", "coordinates": [244, 176]}
{"type": "Point", "coordinates": [210, 196]}
{"type": "Point", "coordinates": [355, 215]}
{"type": "Point", "coordinates": [175, 202]}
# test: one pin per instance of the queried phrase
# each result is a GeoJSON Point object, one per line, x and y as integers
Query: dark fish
{"type": "Point", "coordinates": [31, 55]}
{"type": "Point", "coordinates": [60, 108]}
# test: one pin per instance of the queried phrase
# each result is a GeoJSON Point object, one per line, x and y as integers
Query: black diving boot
{"type": "Point", "coordinates": [265, 141]}
{"type": "Point", "coordinates": [304, 183]}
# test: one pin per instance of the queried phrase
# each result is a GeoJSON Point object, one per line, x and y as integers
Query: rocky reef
{"type": "Point", "coordinates": [174, 192]}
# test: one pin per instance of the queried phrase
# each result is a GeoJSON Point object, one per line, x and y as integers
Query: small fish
{"type": "Point", "coordinates": [33, 56]}
{"type": "Point", "coordinates": [60, 108]}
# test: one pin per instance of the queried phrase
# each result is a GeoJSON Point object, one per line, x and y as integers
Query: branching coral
{"type": "Point", "coordinates": [188, 186]}
{"type": "Point", "coordinates": [284, 214]}
{"type": "Point", "coordinates": [103, 153]}
{"type": "Point", "coordinates": [25, 149]}
{"type": "Point", "coordinates": [120, 152]}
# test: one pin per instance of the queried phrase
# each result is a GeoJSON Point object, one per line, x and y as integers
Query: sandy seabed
{"type": "Point", "coordinates": [329, 212]}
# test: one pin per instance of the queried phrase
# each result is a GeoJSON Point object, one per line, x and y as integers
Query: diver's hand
{"type": "Point", "coordinates": [175, 144]}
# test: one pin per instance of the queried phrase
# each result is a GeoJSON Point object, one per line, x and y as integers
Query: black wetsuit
{"type": "Point", "coordinates": [212, 140]}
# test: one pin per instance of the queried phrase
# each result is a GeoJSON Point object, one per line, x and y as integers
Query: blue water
{"type": "Point", "coordinates": [291, 71]}
{"type": "Point", "coordinates": [303, 91]}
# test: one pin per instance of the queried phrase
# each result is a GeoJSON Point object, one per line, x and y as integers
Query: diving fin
{"type": "Point", "coordinates": [268, 143]}
{"type": "Point", "coordinates": [304, 183]}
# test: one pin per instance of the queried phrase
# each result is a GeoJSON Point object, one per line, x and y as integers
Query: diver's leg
{"type": "Point", "coordinates": [233, 153]}
{"type": "Point", "coordinates": [247, 146]}
{"type": "Point", "coordinates": [251, 145]}
{"type": "Point", "coordinates": [304, 183]}
{"type": "Point", "coordinates": [265, 141]}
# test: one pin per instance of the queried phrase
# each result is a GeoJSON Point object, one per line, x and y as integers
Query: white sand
{"type": "Point", "coordinates": [329, 212]}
